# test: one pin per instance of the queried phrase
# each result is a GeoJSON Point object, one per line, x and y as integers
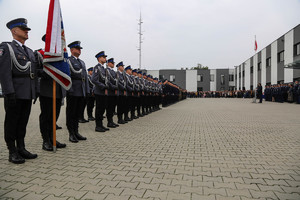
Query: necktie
{"type": "Point", "coordinates": [25, 49]}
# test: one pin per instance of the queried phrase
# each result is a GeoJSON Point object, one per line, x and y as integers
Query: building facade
{"type": "Point", "coordinates": [198, 79]}
{"type": "Point", "coordinates": [275, 64]}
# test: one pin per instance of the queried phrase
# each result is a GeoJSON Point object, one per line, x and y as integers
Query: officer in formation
{"type": "Point", "coordinates": [112, 93]}
{"type": "Point", "coordinates": [99, 80]}
{"type": "Point", "coordinates": [18, 82]}
{"type": "Point", "coordinates": [46, 97]}
{"type": "Point", "coordinates": [77, 93]}
{"type": "Point", "coordinates": [91, 97]}
{"type": "Point", "coordinates": [121, 102]}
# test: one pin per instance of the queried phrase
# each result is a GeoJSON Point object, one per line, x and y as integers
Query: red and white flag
{"type": "Point", "coordinates": [255, 45]}
{"type": "Point", "coordinates": [56, 55]}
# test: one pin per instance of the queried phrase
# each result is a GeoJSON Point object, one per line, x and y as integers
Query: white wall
{"type": "Point", "coordinates": [274, 62]}
{"type": "Point", "coordinates": [255, 73]}
{"type": "Point", "coordinates": [247, 74]}
{"type": "Point", "coordinates": [191, 80]}
{"type": "Point", "coordinates": [263, 68]}
{"type": "Point", "coordinates": [213, 84]}
{"type": "Point", "coordinates": [238, 78]}
{"type": "Point", "coordinates": [154, 73]}
{"type": "Point", "coordinates": [288, 55]}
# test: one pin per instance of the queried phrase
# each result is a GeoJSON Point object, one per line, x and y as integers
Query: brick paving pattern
{"type": "Point", "coordinates": [196, 149]}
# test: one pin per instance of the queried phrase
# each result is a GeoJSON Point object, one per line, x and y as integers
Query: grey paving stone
{"type": "Point", "coordinates": [195, 149]}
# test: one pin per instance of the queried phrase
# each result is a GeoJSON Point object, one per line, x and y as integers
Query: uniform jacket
{"type": "Point", "coordinates": [112, 81]}
{"type": "Point", "coordinates": [121, 83]}
{"type": "Point", "coordinates": [80, 85]}
{"type": "Point", "coordinates": [14, 80]}
{"type": "Point", "coordinates": [99, 79]}
{"type": "Point", "coordinates": [129, 84]}
{"type": "Point", "coordinates": [91, 84]}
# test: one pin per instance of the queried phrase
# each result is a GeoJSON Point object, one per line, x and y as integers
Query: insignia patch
{"type": "Point", "coordinates": [1, 52]}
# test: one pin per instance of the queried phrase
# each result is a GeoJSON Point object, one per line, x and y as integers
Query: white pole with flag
{"type": "Point", "coordinates": [254, 70]}
{"type": "Point", "coordinates": [55, 57]}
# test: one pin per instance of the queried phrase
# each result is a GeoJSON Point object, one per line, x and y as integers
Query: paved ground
{"type": "Point", "coordinates": [196, 149]}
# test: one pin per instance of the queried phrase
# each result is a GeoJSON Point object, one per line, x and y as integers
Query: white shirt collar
{"type": "Point", "coordinates": [19, 43]}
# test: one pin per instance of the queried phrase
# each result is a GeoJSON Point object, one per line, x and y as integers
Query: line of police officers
{"type": "Point", "coordinates": [135, 94]}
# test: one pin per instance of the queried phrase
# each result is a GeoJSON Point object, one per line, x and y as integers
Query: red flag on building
{"type": "Point", "coordinates": [255, 45]}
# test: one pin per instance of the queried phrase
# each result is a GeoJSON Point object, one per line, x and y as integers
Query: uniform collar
{"type": "Point", "coordinates": [18, 42]}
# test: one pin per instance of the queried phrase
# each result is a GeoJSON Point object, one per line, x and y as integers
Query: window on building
{"type": "Point", "coordinates": [200, 77]}
{"type": "Point", "coordinates": [222, 79]}
{"type": "Point", "coordinates": [161, 77]}
{"type": "Point", "coordinates": [268, 62]}
{"type": "Point", "coordinates": [243, 73]}
{"type": "Point", "coordinates": [297, 49]}
{"type": "Point", "coordinates": [251, 70]}
{"type": "Point", "coordinates": [199, 89]}
{"type": "Point", "coordinates": [280, 56]}
{"type": "Point", "coordinates": [231, 77]}
{"type": "Point", "coordinates": [239, 74]}
{"type": "Point", "coordinates": [172, 78]}
{"type": "Point", "coordinates": [259, 66]}
{"type": "Point", "coordinates": [212, 77]}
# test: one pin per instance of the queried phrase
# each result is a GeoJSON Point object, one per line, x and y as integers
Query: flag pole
{"type": "Point", "coordinates": [254, 71]}
{"type": "Point", "coordinates": [54, 116]}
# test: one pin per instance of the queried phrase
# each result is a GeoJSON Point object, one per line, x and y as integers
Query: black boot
{"type": "Point", "coordinates": [60, 145]}
{"type": "Point", "coordinates": [26, 154]}
{"type": "Point", "coordinates": [99, 126]}
{"type": "Point", "coordinates": [78, 136]}
{"type": "Point", "coordinates": [47, 146]}
{"type": "Point", "coordinates": [110, 123]}
{"type": "Point", "coordinates": [15, 158]}
{"type": "Point", "coordinates": [72, 137]}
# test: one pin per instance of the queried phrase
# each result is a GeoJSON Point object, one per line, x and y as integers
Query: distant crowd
{"type": "Point", "coordinates": [287, 92]}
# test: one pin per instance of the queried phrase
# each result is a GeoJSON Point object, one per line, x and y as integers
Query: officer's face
{"type": "Point", "coordinates": [90, 72]}
{"type": "Point", "coordinates": [20, 33]}
{"type": "Point", "coordinates": [128, 71]}
{"type": "Point", "coordinates": [102, 59]}
{"type": "Point", "coordinates": [121, 68]}
{"type": "Point", "coordinates": [111, 65]}
{"type": "Point", "coordinates": [76, 52]}
{"type": "Point", "coordinates": [134, 73]}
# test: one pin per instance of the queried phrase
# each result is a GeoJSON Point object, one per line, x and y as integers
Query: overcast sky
{"type": "Point", "coordinates": [177, 33]}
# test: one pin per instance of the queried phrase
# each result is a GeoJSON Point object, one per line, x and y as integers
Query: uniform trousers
{"type": "Point", "coordinates": [73, 111]}
{"type": "Point", "coordinates": [111, 105]}
{"type": "Point", "coordinates": [46, 117]}
{"type": "Point", "coordinates": [101, 104]}
{"type": "Point", "coordinates": [121, 106]}
{"type": "Point", "coordinates": [15, 123]}
{"type": "Point", "coordinates": [90, 105]}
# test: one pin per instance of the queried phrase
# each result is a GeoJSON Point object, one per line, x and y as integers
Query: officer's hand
{"type": "Point", "coordinates": [11, 99]}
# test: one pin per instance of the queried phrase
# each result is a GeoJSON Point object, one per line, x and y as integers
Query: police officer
{"type": "Point", "coordinates": [77, 93]}
{"type": "Point", "coordinates": [46, 103]}
{"type": "Point", "coordinates": [129, 92]}
{"type": "Point", "coordinates": [112, 93]}
{"type": "Point", "coordinates": [99, 80]}
{"type": "Point", "coordinates": [141, 94]}
{"type": "Point", "coordinates": [146, 95]}
{"type": "Point", "coordinates": [121, 102]}
{"type": "Point", "coordinates": [91, 97]}
{"type": "Point", "coordinates": [18, 82]}
{"type": "Point", "coordinates": [135, 96]}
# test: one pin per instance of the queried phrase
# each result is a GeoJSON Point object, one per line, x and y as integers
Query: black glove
{"type": "Point", "coordinates": [11, 99]}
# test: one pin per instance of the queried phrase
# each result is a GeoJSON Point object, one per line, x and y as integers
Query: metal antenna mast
{"type": "Point", "coordinates": [140, 40]}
